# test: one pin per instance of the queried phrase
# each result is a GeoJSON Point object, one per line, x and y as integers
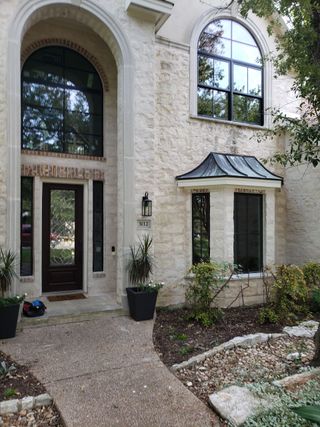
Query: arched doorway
{"type": "Point", "coordinates": [89, 18]}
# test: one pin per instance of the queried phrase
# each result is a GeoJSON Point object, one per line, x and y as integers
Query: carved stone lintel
{"type": "Point", "coordinates": [66, 172]}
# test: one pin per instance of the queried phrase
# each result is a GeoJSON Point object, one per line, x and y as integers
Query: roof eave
{"type": "Point", "coordinates": [206, 182]}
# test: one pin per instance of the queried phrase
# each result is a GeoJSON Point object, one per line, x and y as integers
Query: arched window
{"type": "Point", "coordinates": [230, 73]}
{"type": "Point", "coordinates": [62, 103]}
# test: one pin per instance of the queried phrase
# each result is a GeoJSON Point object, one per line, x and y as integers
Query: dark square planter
{"type": "Point", "coordinates": [141, 303]}
{"type": "Point", "coordinates": [8, 321]}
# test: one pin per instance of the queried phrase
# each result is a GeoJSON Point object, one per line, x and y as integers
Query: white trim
{"type": "Point", "coordinates": [235, 182]}
{"type": "Point", "coordinates": [28, 13]}
{"type": "Point", "coordinates": [249, 23]}
{"type": "Point", "coordinates": [159, 6]}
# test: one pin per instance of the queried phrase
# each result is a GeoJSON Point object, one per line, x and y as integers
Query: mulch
{"type": "Point", "coordinates": [21, 380]}
{"type": "Point", "coordinates": [177, 339]}
{"type": "Point", "coordinates": [23, 383]}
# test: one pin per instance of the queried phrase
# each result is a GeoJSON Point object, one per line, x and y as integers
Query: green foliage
{"type": "Point", "coordinates": [315, 300]}
{"type": "Point", "coordinates": [6, 369]}
{"type": "Point", "coordinates": [298, 52]}
{"type": "Point", "coordinates": [141, 263]}
{"type": "Point", "coordinates": [289, 296]}
{"type": "Point", "coordinates": [280, 413]}
{"type": "Point", "coordinates": [186, 349]}
{"type": "Point", "coordinates": [311, 272]}
{"type": "Point", "coordinates": [7, 270]}
{"type": "Point", "coordinates": [209, 278]}
{"type": "Point", "coordinates": [179, 337]}
{"type": "Point", "coordinates": [9, 392]}
{"type": "Point", "coordinates": [268, 315]}
{"type": "Point", "coordinates": [311, 413]}
{"type": "Point", "coordinates": [6, 302]}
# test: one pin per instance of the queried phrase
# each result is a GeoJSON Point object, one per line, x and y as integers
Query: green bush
{"type": "Point", "coordinates": [315, 300]}
{"type": "Point", "coordinates": [289, 294]}
{"type": "Point", "coordinates": [268, 315]}
{"type": "Point", "coordinates": [311, 271]}
{"type": "Point", "coordinates": [209, 278]}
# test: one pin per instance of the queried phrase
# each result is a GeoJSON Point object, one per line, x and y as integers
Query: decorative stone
{"type": "Point", "coordinates": [9, 406]}
{"type": "Point", "coordinates": [295, 356]}
{"type": "Point", "coordinates": [43, 400]}
{"type": "Point", "coordinates": [236, 404]}
{"type": "Point", "coordinates": [27, 402]}
{"type": "Point", "coordinates": [299, 331]}
{"type": "Point", "coordinates": [298, 379]}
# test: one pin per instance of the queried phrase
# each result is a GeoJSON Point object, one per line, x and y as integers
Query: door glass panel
{"type": "Point", "coordinates": [62, 227]}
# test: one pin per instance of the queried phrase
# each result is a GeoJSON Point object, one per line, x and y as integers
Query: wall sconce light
{"type": "Point", "coordinates": [146, 205]}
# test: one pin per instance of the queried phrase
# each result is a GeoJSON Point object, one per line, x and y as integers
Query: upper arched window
{"type": "Point", "coordinates": [230, 73]}
{"type": "Point", "coordinates": [62, 103]}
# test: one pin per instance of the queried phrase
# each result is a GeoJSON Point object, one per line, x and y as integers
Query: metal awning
{"type": "Point", "coordinates": [230, 169]}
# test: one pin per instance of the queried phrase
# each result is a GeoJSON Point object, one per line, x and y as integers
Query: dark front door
{"type": "Point", "coordinates": [62, 237]}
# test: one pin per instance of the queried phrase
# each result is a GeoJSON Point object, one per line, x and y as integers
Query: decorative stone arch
{"type": "Point", "coordinates": [254, 29]}
{"type": "Point", "coordinates": [101, 22]}
{"type": "Point", "coordinates": [74, 46]}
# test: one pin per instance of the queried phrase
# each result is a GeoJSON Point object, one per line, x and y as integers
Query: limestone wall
{"type": "Point", "coordinates": [167, 138]}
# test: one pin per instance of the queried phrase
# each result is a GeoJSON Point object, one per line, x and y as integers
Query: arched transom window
{"type": "Point", "coordinates": [62, 103]}
{"type": "Point", "coordinates": [230, 73]}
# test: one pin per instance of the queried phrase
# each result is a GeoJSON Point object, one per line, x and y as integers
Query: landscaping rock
{"type": "Point", "coordinates": [43, 400]}
{"type": "Point", "coordinates": [293, 381]}
{"type": "Point", "coordinates": [27, 402]}
{"type": "Point", "coordinates": [236, 404]}
{"type": "Point", "coordinates": [9, 406]}
{"type": "Point", "coordinates": [305, 329]}
{"type": "Point", "coordinates": [295, 356]}
{"type": "Point", "coordinates": [245, 341]}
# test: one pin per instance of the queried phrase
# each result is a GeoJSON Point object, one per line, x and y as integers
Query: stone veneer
{"type": "Point", "coordinates": [150, 137]}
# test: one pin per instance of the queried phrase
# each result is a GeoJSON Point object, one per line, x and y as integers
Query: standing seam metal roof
{"type": "Point", "coordinates": [217, 165]}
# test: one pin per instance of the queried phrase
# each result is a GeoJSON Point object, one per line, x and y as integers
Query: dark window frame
{"type": "Point", "coordinates": [231, 92]}
{"type": "Point", "coordinates": [61, 130]}
{"type": "Point", "coordinates": [30, 272]}
{"type": "Point", "coordinates": [97, 191]}
{"type": "Point", "coordinates": [196, 259]}
{"type": "Point", "coordinates": [260, 263]}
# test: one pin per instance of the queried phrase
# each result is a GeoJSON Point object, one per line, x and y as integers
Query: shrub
{"type": "Point", "coordinates": [209, 279]}
{"type": "Point", "coordinates": [289, 296]}
{"type": "Point", "coordinates": [311, 272]}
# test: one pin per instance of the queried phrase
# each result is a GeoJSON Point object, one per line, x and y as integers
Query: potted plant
{"type": "Point", "coordinates": [142, 297]}
{"type": "Point", "coordinates": [9, 305]}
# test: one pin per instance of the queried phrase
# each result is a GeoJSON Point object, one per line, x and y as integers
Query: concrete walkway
{"type": "Point", "coordinates": [105, 372]}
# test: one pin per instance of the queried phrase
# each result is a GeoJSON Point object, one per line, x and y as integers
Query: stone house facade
{"type": "Point", "coordinates": [103, 101]}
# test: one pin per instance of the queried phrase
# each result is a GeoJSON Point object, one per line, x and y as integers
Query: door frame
{"type": "Point", "coordinates": [86, 184]}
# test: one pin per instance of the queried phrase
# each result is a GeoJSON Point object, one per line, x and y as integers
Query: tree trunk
{"type": "Point", "coordinates": [316, 357]}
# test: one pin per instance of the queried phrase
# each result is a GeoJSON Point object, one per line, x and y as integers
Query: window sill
{"type": "Point", "coordinates": [98, 275]}
{"type": "Point", "coordinates": [244, 276]}
{"type": "Point", "coordinates": [26, 279]}
{"type": "Point", "coordinates": [236, 277]}
{"type": "Point", "coordinates": [227, 122]}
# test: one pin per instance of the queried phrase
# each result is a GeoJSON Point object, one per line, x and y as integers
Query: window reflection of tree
{"type": "Point", "coordinates": [229, 73]}
{"type": "Point", "coordinates": [61, 112]}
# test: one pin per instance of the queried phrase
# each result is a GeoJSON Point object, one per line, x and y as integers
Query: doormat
{"type": "Point", "coordinates": [53, 298]}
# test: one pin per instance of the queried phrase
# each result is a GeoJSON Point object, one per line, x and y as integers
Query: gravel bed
{"type": "Point", "coordinates": [46, 416]}
{"type": "Point", "coordinates": [264, 362]}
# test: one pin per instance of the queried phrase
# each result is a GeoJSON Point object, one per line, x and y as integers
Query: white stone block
{"type": "Point", "coordinates": [236, 404]}
{"type": "Point", "coordinates": [9, 406]}
{"type": "Point", "coordinates": [43, 400]}
{"type": "Point", "coordinates": [27, 402]}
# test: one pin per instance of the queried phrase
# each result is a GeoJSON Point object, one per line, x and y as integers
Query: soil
{"type": "Point", "coordinates": [20, 380]}
{"type": "Point", "coordinates": [177, 339]}
{"type": "Point", "coordinates": [22, 383]}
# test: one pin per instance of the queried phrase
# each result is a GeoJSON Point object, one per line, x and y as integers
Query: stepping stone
{"type": "Point", "coordinates": [236, 404]}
